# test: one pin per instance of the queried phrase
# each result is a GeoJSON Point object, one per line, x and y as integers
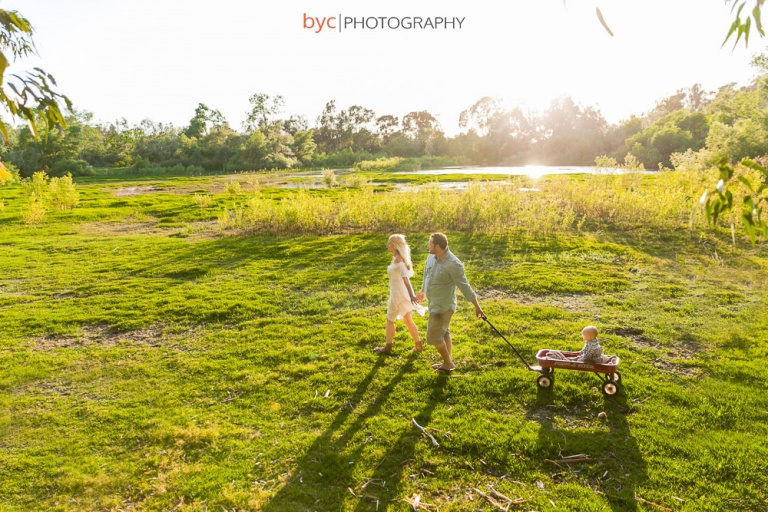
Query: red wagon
{"type": "Point", "coordinates": [546, 368]}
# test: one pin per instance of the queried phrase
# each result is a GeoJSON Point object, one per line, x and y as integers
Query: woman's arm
{"type": "Point", "coordinates": [409, 288]}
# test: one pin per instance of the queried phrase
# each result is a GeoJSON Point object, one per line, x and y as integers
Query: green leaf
{"type": "Point", "coordinates": [746, 183]}
{"type": "Point", "coordinates": [747, 29]}
{"type": "Point", "coordinates": [758, 21]}
{"type": "Point", "coordinates": [602, 21]}
{"type": "Point", "coordinates": [734, 26]}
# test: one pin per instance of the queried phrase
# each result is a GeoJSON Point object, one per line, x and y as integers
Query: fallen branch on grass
{"type": "Point", "coordinates": [490, 500]}
{"type": "Point", "coordinates": [434, 441]}
{"type": "Point", "coordinates": [641, 500]}
{"type": "Point", "coordinates": [416, 503]}
{"type": "Point", "coordinates": [573, 459]}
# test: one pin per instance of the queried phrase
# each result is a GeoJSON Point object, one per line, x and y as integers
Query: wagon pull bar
{"type": "Point", "coordinates": [510, 344]}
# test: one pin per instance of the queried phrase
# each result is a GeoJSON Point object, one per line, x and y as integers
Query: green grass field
{"type": "Point", "coordinates": [151, 361]}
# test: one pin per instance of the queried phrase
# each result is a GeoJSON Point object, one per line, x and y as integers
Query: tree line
{"type": "Point", "coordinates": [731, 122]}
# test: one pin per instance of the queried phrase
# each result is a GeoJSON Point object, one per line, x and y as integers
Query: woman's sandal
{"type": "Point", "coordinates": [418, 346]}
{"type": "Point", "coordinates": [386, 349]}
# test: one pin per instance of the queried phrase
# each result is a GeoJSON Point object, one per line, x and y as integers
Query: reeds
{"type": "Point", "coordinates": [561, 203]}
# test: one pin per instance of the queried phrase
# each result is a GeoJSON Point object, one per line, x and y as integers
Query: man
{"type": "Point", "coordinates": [443, 273]}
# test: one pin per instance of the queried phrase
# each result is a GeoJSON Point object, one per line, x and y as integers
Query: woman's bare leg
{"type": "Point", "coordinates": [390, 335]}
{"type": "Point", "coordinates": [417, 346]}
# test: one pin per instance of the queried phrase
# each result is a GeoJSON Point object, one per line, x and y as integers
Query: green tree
{"type": "Point", "coordinates": [204, 120]}
{"type": "Point", "coordinates": [264, 111]}
{"type": "Point", "coordinates": [422, 127]}
{"type": "Point", "coordinates": [570, 134]}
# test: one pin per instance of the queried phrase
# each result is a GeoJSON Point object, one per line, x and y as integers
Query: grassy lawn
{"type": "Point", "coordinates": [150, 361]}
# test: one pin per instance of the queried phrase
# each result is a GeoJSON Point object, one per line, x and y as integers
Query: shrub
{"type": "Point", "coordinates": [35, 210]}
{"type": "Point", "coordinates": [203, 201]}
{"type": "Point", "coordinates": [631, 163]}
{"type": "Point", "coordinates": [380, 164]}
{"type": "Point", "coordinates": [62, 193]}
{"type": "Point", "coordinates": [356, 180]}
{"type": "Point", "coordinates": [329, 178]}
{"type": "Point", "coordinates": [233, 188]}
{"type": "Point", "coordinates": [73, 167]}
{"type": "Point", "coordinates": [37, 185]}
{"type": "Point", "coordinates": [605, 164]}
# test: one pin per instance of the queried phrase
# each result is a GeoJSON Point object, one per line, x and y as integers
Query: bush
{"type": "Point", "coordinates": [37, 185]}
{"type": "Point", "coordinates": [62, 193]}
{"type": "Point", "coordinates": [140, 163]}
{"type": "Point", "coordinates": [329, 178]}
{"type": "Point", "coordinates": [380, 164]}
{"type": "Point", "coordinates": [233, 188]}
{"type": "Point", "coordinates": [356, 180]}
{"type": "Point", "coordinates": [203, 201]}
{"type": "Point", "coordinates": [35, 210]}
{"type": "Point", "coordinates": [73, 167]}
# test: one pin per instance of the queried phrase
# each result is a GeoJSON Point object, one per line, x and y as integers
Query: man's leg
{"type": "Point", "coordinates": [439, 336]}
{"type": "Point", "coordinates": [447, 362]}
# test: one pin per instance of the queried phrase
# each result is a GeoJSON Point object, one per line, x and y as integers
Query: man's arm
{"type": "Point", "coordinates": [459, 277]}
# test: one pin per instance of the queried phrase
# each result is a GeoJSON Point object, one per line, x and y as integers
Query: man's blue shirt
{"type": "Point", "coordinates": [441, 278]}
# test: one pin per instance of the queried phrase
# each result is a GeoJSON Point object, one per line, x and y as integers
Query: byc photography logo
{"type": "Point", "coordinates": [340, 23]}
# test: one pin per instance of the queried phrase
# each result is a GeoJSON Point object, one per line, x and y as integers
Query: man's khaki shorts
{"type": "Point", "coordinates": [438, 327]}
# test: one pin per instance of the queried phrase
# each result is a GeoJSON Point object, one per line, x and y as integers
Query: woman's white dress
{"type": "Point", "coordinates": [400, 303]}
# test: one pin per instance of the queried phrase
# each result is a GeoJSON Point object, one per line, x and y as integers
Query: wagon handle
{"type": "Point", "coordinates": [508, 343]}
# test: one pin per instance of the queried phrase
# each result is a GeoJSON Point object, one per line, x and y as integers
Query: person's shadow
{"type": "Point", "coordinates": [322, 478]}
{"type": "Point", "coordinates": [388, 475]}
{"type": "Point", "coordinates": [616, 467]}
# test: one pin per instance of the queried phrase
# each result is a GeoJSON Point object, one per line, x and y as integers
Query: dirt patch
{"type": "Point", "coordinates": [133, 191]}
{"type": "Point", "coordinates": [670, 359]}
{"type": "Point", "coordinates": [146, 226]}
{"type": "Point", "coordinates": [101, 335]}
{"type": "Point", "coordinates": [571, 303]}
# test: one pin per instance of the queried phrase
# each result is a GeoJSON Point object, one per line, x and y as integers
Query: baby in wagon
{"type": "Point", "coordinates": [592, 352]}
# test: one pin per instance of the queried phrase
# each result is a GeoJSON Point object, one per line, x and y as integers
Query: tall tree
{"type": "Point", "coordinates": [264, 111]}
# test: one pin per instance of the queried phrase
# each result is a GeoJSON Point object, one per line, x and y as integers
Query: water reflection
{"type": "Point", "coordinates": [532, 171]}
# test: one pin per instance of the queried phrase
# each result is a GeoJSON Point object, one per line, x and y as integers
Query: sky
{"type": "Point", "coordinates": [158, 59]}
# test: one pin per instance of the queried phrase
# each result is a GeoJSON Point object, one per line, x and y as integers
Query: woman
{"type": "Point", "coordinates": [401, 295]}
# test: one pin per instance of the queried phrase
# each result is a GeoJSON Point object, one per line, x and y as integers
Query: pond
{"type": "Point", "coordinates": [533, 171]}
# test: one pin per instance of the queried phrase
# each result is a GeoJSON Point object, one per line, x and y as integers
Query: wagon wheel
{"type": "Point", "coordinates": [545, 381]}
{"type": "Point", "coordinates": [614, 377]}
{"type": "Point", "coordinates": [610, 388]}
{"type": "Point", "coordinates": [546, 370]}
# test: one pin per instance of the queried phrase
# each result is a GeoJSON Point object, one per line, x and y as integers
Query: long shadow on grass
{"type": "Point", "coordinates": [389, 471]}
{"type": "Point", "coordinates": [324, 473]}
{"type": "Point", "coordinates": [618, 467]}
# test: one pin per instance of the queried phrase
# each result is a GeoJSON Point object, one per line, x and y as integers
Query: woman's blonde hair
{"type": "Point", "coordinates": [402, 248]}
